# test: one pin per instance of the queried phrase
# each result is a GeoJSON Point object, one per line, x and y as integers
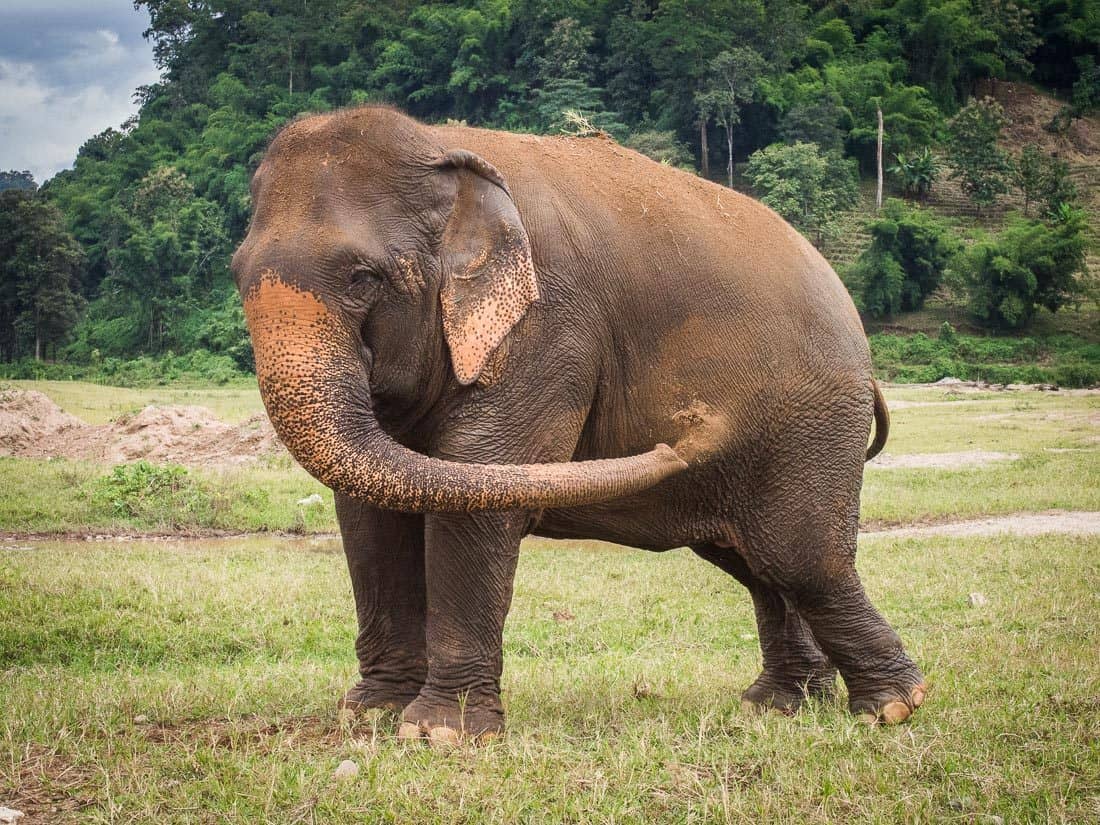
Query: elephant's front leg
{"type": "Point", "coordinates": [385, 553]}
{"type": "Point", "coordinates": [470, 565]}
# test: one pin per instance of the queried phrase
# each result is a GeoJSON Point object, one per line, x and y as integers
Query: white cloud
{"type": "Point", "coordinates": [41, 127]}
{"type": "Point", "coordinates": [53, 102]}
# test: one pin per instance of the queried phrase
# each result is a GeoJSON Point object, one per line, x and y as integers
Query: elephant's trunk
{"type": "Point", "coordinates": [316, 392]}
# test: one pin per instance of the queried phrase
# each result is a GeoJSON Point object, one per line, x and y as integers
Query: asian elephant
{"type": "Point", "coordinates": [472, 335]}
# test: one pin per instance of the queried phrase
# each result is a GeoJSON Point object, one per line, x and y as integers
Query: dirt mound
{"type": "Point", "coordinates": [1030, 111]}
{"type": "Point", "coordinates": [32, 426]}
{"type": "Point", "coordinates": [28, 417]}
{"type": "Point", "coordinates": [188, 435]}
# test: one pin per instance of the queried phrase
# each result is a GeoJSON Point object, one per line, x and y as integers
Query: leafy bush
{"type": "Point", "coordinates": [1030, 264]}
{"type": "Point", "coordinates": [661, 146]}
{"type": "Point", "coordinates": [153, 493]}
{"type": "Point", "coordinates": [910, 249]}
{"type": "Point", "coordinates": [805, 186]}
{"type": "Point", "coordinates": [916, 172]}
{"type": "Point", "coordinates": [1064, 360]}
{"type": "Point", "coordinates": [1043, 179]}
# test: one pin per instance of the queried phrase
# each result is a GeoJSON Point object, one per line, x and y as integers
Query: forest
{"type": "Point", "coordinates": [125, 256]}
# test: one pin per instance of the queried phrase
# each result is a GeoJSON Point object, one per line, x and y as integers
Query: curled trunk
{"type": "Point", "coordinates": [316, 392]}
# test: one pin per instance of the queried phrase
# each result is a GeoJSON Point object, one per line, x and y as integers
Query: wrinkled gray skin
{"type": "Point", "coordinates": [394, 313]}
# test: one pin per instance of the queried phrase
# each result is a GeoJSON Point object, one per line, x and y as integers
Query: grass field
{"type": "Point", "coordinates": [168, 682]}
{"type": "Point", "coordinates": [194, 680]}
{"type": "Point", "coordinates": [98, 404]}
{"type": "Point", "coordinates": [1054, 435]}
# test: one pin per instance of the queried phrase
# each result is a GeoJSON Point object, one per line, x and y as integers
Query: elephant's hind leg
{"type": "Point", "coordinates": [794, 665]}
{"type": "Point", "coordinates": [385, 554]}
{"type": "Point", "coordinates": [800, 538]}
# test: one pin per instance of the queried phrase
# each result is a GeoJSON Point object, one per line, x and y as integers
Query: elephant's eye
{"type": "Point", "coordinates": [364, 287]}
{"type": "Point", "coordinates": [366, 275]}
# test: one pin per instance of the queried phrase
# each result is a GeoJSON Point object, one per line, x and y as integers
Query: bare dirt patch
{"type": "Point", "coordinates": [32, 426]}
{"type": "Point", "coordinates": [1017, 524]}
{"type": "Point", "coordinates": [940, 461]}
{"type": "Point", "coordinates": [47, 786]}
{"type": "Point", "coordinates": [1030, 111]}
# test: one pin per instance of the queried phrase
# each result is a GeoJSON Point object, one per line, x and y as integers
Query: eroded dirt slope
{"type": "Point", "coordinates": [33, 426]}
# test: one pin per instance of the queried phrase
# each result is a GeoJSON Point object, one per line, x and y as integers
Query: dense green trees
{"type": "Point", "coordinates": [910, 251]}
{"type": "Point", "coordinates": [17, 180]}
{"type": "Point", "coordinates": [1030, 264]}
{"type": "Point", "coordinates": [40, 263]}
{"type": "Point", "coordinates": [157, 204]}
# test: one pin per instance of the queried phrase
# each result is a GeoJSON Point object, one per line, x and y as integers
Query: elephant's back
{"type": "Point", "coordinates": [698, 247]}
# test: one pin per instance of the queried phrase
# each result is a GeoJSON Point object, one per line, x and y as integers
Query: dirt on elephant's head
{"type": "Point", "coordinates": [33, 426]}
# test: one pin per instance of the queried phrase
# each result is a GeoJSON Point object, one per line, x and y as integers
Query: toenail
{"type": "Point", "coordinates": [894, 712]}
{"type": "Point", "coordinates": [408, 730]}
{"type": "Point", "coordinates": [443, 738]}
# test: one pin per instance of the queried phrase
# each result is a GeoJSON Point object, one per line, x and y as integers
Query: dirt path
{"type": "Point", "coordinates": [1016, 524]}
{"type": "Point", "coordinates": [939, 461]}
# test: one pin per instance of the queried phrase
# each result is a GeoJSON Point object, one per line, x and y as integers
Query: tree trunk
{"type": "Point", "coordinates": [729, 149]}
{"type": "Point", "coordinates": [290, 66]}
{"type": "Point", "coordinates": [878, 190]}
{"type": "Point", "coordinates": [703, 151]}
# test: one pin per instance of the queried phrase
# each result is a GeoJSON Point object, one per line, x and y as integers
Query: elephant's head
{"type": "Point", "coordinates": [376, 261]}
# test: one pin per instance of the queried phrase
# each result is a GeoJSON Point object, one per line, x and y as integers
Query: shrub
{"type": "Point", "coordinates": [910, 249]}
{"type": "Point", "coordinates": [662, 147]}
{"type": "Point", "coordinates": [198, 366]}
{"type": "Point", "coordinates": [916, 172]}
{"type": "Point", "coordinates": [804, 185]}
{"type": "Point", "coordinates": [1030, 264]}
{"type": "Point", "coordinates": [154, 494]}
{"type": "Point", "coordinates": [1065, 360]}
{"type": "Point", "coordinates": [1044, 179]}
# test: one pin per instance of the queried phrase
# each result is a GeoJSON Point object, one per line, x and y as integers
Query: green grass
{"type": "Point", "coordinates": [183, 681]}
{"type": "Point", "coordinates": [58, 496]}
{"type": "Point", "coordinates": [234, 651]}
{"type": "Point", "coordinates": [98, 403]}
{"type": "Point", "coordinates": [1054, 433]}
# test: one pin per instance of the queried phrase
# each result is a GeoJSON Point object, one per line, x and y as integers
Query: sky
{"type": "Point", "coordinates": [68, 70]}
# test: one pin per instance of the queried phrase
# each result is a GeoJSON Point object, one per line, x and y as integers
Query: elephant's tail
{"type": "Point", "coordinates": [882, 423]}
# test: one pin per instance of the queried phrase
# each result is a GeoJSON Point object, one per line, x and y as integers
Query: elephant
{"type": "Point", "coordinates": [472, 336]}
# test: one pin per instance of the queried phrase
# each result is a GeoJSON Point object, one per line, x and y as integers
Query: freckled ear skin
{"type": "Point", "coordinates": [488, 275]}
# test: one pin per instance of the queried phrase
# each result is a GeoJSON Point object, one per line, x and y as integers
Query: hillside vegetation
{"type": "Point", "coordinates": [125, 256]}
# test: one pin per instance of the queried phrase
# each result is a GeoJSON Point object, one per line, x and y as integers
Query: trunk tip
{"type": "Point", "coordinates": [668, 456]}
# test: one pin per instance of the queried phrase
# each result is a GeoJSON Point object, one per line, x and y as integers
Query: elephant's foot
{"type": "Point", "coordinates": [889, 705]}
{"type": "Point", "coordinates": [889, 696]}
{"type": "Point", "coordinates": [786, 693]}
{"type": "Point", "coordinates": [447, 720]}
{"type": "Point", "coordinates": [369, 693]}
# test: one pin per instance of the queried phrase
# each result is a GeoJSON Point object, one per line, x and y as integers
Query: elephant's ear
{"type": "Point", "coordinates": [488, 275]}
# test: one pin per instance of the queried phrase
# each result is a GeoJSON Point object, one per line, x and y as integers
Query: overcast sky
{"type": "Point", "coordinates": [68, 70]}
